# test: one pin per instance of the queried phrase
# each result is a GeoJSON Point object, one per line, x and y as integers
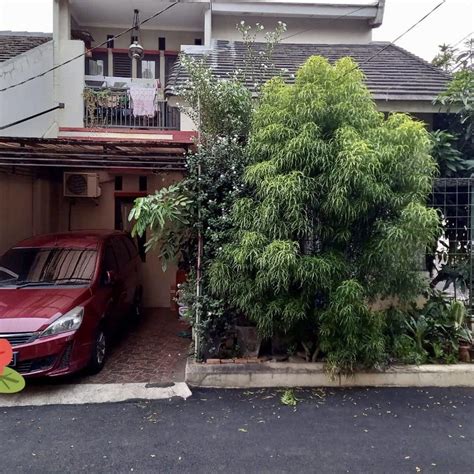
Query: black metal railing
{"type": "Point", "coordinates": [111, 108]}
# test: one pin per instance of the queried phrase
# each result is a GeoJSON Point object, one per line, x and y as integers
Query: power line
{"type": "Point", "coordinates": [399, 37]}
{"type": "Point", "coordinates": [461, 40]}
{"type": "Point", "coordinates": [146, 20]}
{"type": "Point", "coordinates": [328, 22]}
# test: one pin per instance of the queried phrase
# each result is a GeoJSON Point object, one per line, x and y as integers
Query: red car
{"type": "Point", "coordinates": [63, 295]}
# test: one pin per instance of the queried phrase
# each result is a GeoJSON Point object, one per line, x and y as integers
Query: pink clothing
{"type": "Point", "coordinates": [143, 101]}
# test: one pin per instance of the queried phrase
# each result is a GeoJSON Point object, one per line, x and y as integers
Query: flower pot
{"type": "Point", "coordinates": [465, 352]}
{"type": "Point", "coordinates": [248, 340]}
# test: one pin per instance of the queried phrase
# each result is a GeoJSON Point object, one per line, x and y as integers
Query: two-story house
{"type": "Point", "coordinates": [88, 125]}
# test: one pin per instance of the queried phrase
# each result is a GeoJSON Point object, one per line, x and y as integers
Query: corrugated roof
{"type": "Point", "coordinates": [394, 74]}
{"type": "Point", "coordinates": [13, 43]}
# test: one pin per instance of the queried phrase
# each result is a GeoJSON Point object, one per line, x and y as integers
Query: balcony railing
{"type": "Point", "coordinates": [113, 108]}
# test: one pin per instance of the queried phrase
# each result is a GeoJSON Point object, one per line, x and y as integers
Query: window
{"type": "Point", "coordinates": [110, 41]}
{"type": "Point", "coordinates": [96, 67]}
{"type": "Point", "coordinates": [148, 69]}
{"type": "Point", "coordinates": [161, 43]}
{"type": "Point", "coordinates": [142, 183]}
{"type": "Point", "coordinates": [122, 65]}
{"type": "Point", "coordinates": [47, 266]}
{"type": "Point", "coordinates": [198, 41]}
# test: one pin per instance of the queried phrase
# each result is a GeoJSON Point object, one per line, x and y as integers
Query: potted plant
{"type": "Point", "coordinates": [462, 332]}
{"type": "Point", "coordinates": [465, 344]}
{"type": "Point", "coordinates": [248, 338]}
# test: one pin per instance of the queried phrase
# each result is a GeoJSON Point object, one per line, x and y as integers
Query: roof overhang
{"type": "Point", "coordinates": [412, 104]}
{"type": "Point", "coordinates": [300, 9]}
{"type": "Point", "coordinates": [94, 153]}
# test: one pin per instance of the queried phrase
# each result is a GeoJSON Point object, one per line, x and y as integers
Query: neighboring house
{"type": "Point", "coordinates": [130, 152]}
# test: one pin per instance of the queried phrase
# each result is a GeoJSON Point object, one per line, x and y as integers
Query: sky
{"type": "Point", "coordinates": [449, 24]}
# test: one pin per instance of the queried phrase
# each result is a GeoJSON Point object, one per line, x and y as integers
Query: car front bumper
{"type": "Point", "coordinates": [52, 356]}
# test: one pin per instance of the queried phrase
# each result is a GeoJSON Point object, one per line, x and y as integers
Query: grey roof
{"type": "Point", "coordinates": [13, 43]}
{"type": "Point", "coordinates": [394, 74]}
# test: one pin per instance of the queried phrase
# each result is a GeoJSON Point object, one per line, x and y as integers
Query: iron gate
{"type": "Point", "coordinates": [451, 263]}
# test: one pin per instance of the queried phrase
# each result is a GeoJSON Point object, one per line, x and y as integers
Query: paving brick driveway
{"type": "Point", "coordinates": [152, 352]}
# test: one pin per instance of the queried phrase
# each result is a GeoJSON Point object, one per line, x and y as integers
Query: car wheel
{"type": "Point", "coordinates": [99, 352]}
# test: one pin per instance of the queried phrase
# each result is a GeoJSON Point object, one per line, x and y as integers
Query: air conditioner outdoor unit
{"type": "Point", "coordinates": [81, 185]}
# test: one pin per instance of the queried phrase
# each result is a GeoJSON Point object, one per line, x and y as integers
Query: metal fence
{"type": "Point", "coordinates": [114, 109]}
{"type": "Point", "coordinates": [451, 263]}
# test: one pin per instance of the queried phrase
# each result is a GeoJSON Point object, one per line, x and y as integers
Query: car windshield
{"type": "Point", "coordinates": [25, 267]}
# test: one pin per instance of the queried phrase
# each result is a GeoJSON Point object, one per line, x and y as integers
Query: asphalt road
{"type": "Point", "coordinates": [358, 430]}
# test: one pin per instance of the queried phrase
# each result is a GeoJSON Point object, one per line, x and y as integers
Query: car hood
{"type": "Point", "coordinates": [33, 309]}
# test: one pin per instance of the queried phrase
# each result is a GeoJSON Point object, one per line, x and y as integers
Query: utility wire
{"type": "Point", "coordinates": [155, 15]}
{"type": "Point", "coordinates": [461, 40]}
{"type": "Point", "coordinates": [328, 22]}
{"type": "Point", "coordinates": [146, 20]}
{"type": "Point", "coordinates": [399, 37]}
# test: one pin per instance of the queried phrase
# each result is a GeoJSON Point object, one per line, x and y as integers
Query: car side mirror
{"type": "Point", "coordinates": [110, 278]}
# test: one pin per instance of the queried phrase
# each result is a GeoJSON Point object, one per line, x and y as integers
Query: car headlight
{"type": "Point", "coordinates": [67, 322]}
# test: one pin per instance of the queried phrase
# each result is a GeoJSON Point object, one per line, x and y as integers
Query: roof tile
{"type": "Point", "coordinates": [392, 74]}
{"type": "Point", "coordinates": [14, 43]}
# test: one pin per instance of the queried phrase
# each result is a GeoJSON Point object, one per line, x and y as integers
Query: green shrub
{"type": "Point", "coordinates": [334, 215]}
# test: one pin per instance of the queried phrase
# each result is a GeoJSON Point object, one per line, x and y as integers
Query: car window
{"type": "Point", "coordinates": [47, 266]}
{"type": "Point", "coordinates": [121, 251]}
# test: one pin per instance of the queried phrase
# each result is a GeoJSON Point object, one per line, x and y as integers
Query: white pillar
{"type": "Point", "coordinates": [134, 68]}
{"type": "Point", "coordinates": [110, 62]}
{"type": "Point", "coordinates": [163, 77]}
{"type": "Point", "coordinates": [208, 27]}
{"type": "Point", "coordinates": [62, 20]}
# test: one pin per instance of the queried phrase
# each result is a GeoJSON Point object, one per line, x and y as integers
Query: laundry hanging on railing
{"type": "Point", "coordinates": [143, 101]}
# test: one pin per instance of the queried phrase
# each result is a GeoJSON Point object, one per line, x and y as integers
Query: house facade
{"type": "Point", "coordinates": [85, 107]}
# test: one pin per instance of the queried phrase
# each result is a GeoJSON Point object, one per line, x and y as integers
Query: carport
{"type": "Point", "coordinates": [33, 201]}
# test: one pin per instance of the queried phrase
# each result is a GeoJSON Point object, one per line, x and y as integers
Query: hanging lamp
{"type": "Point", "coordinates": [135, 50]}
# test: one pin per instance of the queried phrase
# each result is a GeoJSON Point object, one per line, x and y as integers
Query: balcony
{"type": "Point", "coordinates": [113, 107]}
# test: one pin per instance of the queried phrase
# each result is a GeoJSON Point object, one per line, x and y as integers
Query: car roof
{"type": "Point", "coordinates": [76, 239]}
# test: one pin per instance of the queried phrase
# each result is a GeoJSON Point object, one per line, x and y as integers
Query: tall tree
{"type": "Point", "coordinates": [335, 216]}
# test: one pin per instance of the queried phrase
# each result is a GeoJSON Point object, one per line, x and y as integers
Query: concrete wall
{"type": "Point", "coordinates": [100, 214]}
{"type": "Point", "coordinates": [26, 207]}
{"type": "Point", "coordinates": [31, 98]}
{"type": "Point", "coordinates": [306, 30]}
{"type": "Point", "coordinates": [30, 205]}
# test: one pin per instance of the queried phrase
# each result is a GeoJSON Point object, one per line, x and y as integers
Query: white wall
{"type": "Point", "coordinates": [31, 98]}
{"type": "Point", "coordinates": [320, 31]}
{"type": "Point", "coordinates": [69, 83]}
